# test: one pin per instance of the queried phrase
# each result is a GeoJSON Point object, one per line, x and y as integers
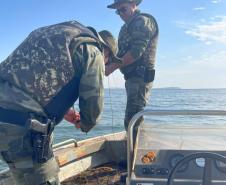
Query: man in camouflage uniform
{"type": "Point", "coordinates": [137, 47]}
{"type": "Point", "coordinates": [39, 82]}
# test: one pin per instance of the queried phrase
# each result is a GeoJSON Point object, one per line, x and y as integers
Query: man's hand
{"type": "Point", "coordinates": [127, 59]}
{"type": "Point", "coordinates": [73, 117]}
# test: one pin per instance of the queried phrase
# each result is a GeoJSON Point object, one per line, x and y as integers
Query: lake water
{"type": "Point", "coordinates": [167, 99]}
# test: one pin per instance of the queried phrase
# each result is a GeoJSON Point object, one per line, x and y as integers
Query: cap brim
{"type": "Point", "coordinates": [113, 6]}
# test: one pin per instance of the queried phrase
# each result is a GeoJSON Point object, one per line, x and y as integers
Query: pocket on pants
{"type": "Point", "coordinates": [132, 89]}
{"type": "Point", "coordinates": [15, 141]}
{"type": "Point", "coordinates": [138, 92]}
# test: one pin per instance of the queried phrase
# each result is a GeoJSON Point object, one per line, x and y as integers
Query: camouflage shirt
{"type": "Point", "coordinates": [139, 36]}
{"type": "Point", "coordinates": [45, 65]}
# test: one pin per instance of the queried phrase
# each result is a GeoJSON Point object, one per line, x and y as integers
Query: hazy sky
{"type": "Point", "coordinates": [192, 41]}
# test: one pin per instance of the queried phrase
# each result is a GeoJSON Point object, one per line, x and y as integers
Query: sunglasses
{"type": "Point", "coordinates": [122, 10]}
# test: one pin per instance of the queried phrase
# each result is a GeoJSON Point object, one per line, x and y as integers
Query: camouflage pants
{"type": "Point", "coordinates": [138, 93]}
{"type": "Point", "coordinates": [16, 150]}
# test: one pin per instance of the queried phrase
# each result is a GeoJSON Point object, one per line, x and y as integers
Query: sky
{"type": "Point", "coordinates": [192, 40]}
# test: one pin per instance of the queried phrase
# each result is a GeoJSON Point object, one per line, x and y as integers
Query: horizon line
{"type": "Point", "coordinates": [182, 88]}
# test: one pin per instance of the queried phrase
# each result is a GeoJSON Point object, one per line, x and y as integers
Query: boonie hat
{"type": "Point", "coordinates": [117, 2]}
{"type": "Point", "coordinates": [110, 42]}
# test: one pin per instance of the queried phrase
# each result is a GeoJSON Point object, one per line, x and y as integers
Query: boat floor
{"type": "Point", "coordinates": [107, 174]}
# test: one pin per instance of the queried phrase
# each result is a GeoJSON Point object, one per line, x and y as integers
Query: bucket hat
{"type": "Point", "coordinates": [108, 40]}
{"type": "Point", "coordinates": [117, 2]}
{"type": "Point", "coordinates": [111, 43]}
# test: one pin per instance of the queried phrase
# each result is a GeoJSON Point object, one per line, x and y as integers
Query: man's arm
{"type": "Point", "coordinates": [127, 59]}
{"type": "Point", "coordinates": [142, 30]}
{"type": "Point", "coordinates": [91, 88]}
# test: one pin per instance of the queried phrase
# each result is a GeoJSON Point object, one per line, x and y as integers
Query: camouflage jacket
{"type": "Point", "coordinates": [139, 35]}
{"type": "Point", "coordinates": [57, 64]}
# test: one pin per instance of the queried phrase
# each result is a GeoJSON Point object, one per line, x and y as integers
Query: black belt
{"type": "Point", "coordinates": [14, 117]}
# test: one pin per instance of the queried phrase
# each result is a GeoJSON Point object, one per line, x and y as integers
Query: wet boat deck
{"type": "Point", "coordinates": [107, 174]}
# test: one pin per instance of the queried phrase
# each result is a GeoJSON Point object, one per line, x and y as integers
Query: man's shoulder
{"type": "Point", "coordinates": [144, 20]}
{"type": "Point", "coordinates": [60, 28]}
{"type": "Point", "coordinates": [144, 17]}
{"type": "Point", "coordinates": [139, 21]}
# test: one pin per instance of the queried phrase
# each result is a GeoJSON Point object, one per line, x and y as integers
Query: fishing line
{"type": "Point", "coordinates": [112, 114]}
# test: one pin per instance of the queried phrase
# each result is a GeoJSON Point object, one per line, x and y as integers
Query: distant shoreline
{"type": "Point", "coordinates": [175, 88]}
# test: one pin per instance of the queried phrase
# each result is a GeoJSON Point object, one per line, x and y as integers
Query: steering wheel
{"type": "Point", "coordinates": [208, 156]}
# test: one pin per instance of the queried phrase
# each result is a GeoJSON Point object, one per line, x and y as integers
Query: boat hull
{"type": "Point", "coordinates": [76, 157]}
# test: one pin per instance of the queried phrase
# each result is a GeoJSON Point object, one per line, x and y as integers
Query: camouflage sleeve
{"type": "Point", "coordinates": [142, 30]}
{"type": "Point", "coordinates": [91, 88]}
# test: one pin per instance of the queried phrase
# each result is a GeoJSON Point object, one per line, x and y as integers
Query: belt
{"type": "Point", "coordinates": [13, 117]}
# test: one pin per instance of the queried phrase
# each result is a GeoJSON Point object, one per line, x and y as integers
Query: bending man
{"type": "Point", "coordinates": [39, 82]}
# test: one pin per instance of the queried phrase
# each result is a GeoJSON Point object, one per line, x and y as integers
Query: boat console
{"type": "Point", "coordinates": [177, 154]}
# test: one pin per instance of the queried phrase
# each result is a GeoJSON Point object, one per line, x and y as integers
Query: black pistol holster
{"type": "Point", "coordinates": [149, 75]}
{"type": "Point", "coordinates": [41, 139]}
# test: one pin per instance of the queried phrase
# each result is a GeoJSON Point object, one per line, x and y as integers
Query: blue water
{"type": "Point", "coordinates": [167, 99]}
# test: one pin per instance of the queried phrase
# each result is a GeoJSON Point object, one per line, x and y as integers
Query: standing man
{"type": "Point", "coordinates": [137, 47]}
{"type": "Point", "coordinates": [39, 82]}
